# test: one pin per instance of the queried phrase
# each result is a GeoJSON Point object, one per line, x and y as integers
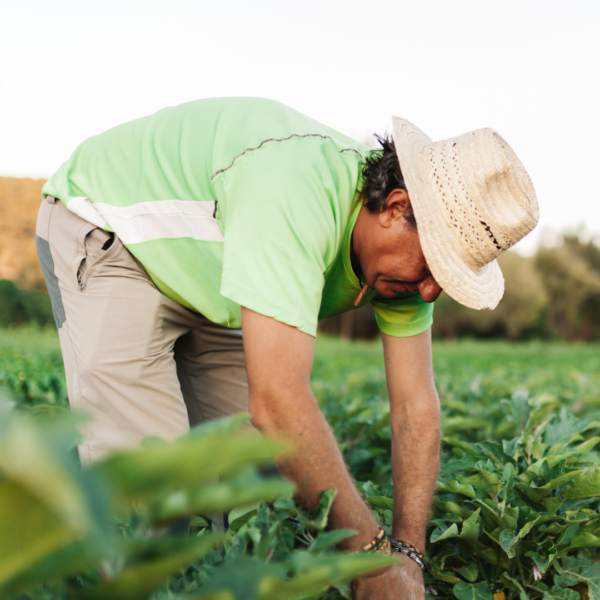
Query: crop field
{"type": "Point", "coordinates": [517, 514]}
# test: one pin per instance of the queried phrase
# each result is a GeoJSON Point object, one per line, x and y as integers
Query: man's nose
{"type": "Point", "coordinates": [429, 288]}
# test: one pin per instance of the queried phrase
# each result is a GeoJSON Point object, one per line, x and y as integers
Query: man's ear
{"type": "Point", "coordinates": [398, 206]}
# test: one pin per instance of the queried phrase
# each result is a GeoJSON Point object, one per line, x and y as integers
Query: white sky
{"type": "Point", "coordinates": [528, 68]}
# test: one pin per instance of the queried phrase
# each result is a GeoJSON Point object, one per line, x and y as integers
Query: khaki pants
{"type": "Point", "coordinates": [139, 363]}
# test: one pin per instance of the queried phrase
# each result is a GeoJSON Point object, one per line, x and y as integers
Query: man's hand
{"type": "Point", "coordinates": [412, 576]}
{"type": "Point", "coordinates": [389, 585]}
{"type": "Point", "coordinates": [279, 360]}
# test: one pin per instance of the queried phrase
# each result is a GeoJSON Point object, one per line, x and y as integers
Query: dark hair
{"type": "Point", "coordinates": [381, 176]}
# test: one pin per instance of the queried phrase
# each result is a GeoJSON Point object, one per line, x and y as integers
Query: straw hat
{"type": "Point", "coordinates": [472, 199]}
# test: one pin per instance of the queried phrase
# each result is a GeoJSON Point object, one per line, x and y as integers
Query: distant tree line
{"type": "Point", "coordinates": [552, 295]}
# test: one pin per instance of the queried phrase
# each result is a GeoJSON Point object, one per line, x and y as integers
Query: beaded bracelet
{"type": "Point", "coordinates": [409, 550]}
{"type": "Point", "coordinates": [380, 544]}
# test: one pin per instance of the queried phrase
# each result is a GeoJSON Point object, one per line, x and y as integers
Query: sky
{"type": "Point", "coordinates": [527, 68]}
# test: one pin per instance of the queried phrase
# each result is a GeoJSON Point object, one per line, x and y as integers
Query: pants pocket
{"type": "Point", "coordinates": [94, 244]}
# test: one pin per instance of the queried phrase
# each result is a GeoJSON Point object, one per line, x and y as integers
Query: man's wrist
{"type": "Point", "coordinates": [409, 550]}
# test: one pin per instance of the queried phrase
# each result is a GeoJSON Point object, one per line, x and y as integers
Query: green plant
{"type": "Point", "coordinates": [102, 532]}
{"type": "Point", "coordinates": [518, 517]}
{"type": "Point", "coordinates": [269, 544]}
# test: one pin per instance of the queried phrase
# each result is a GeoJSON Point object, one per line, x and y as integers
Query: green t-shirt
{"type": "Point", "coordinates": [234, 201]}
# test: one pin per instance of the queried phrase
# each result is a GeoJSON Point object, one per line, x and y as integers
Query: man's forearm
{"type": "Point", "coordinates": [315, 464]}
{"type": "Point", "coordinates": [279, 360]}
{"type": "Point", "coordinates": [415, 462]}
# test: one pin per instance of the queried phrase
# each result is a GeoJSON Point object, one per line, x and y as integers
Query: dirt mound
{"type": "Point", "coordinates": [19, 203]}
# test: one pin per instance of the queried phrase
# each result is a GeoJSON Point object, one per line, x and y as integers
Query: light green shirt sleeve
{"type": "Point", "coordinates": [280, 232]}
{"type": "Point", "coordinates": [404, 315]}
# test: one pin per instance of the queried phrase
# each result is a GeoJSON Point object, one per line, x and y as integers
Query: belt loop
{"type": "Point", "coordinates": [51, 199]}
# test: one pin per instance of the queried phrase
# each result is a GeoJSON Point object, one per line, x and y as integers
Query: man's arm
{"type": "Point", "coordinates": [279, 360]}
{"type": "Point", "coordinates": [416, 430]}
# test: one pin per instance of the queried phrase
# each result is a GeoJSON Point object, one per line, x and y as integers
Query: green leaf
{"type": "Point", "coordinates": [494, 451]}
{"type": "Point", "coordinates": [54, 567]}
{"type": "Point", "coordinates": [222, 595]}
{"type": "Point", "coordinates": [544, 472]}
{"type": "Point", "coordinates": [463, 445]}
{"type": "Point", "coordinates": [245, 488]}
{"type": "Point", "coordinates": [508, 540]}
{"type": "Point", "coordinates": [519, 403]}
{"type": "Point", "coordinates": [537, 493]}
{"type": "Point", "coordinates": [587, 445]}
{"type": "Point", "coordinates": [187, 461]}
{"type": "Point", "coordinates": [508, 478]}
{"type": "Point", "coordinates": [527, 527]}
{"type": "Point", "coordinates": [139, 581]}
{"type": "Point", "coordinates": [512, 583]}
{"type": "Point", "coordinates": [452, 424]}
{"type": "Point", "coordinates": [476, 481]}
{"type": "Point", "coordinates": [240, 511]}
{"type": "Point", "coordinates": [585, 539]}
{"type": "Point", "coordinates": [315, 573]}
{"type": "Point", "coordinates": [511, 517]}
{"type": "Point", "coordinates": [454, 487]}
{"type": "Point", "coordinates": [321, 513]}
{"type": "Point", "coordinates": [552, 461]}
{"type": "Point", "coordinates": [567, 536]}
{"type": "Point", "coordinates": [557, 593]}
{"type": "Point", "coordinates": [381, 502]}
{"type": "Point", "coordinates": [488, 513]}
{"type": "Point", "coordinates": [224, 425]}
{"type": "Point", "coordinates": [438, 535]}
{"type": "Point", "coordinates": [552, 503]}
{"type": "Point", "coordinates": [467, 463]}
{"type": "Point", "coordinates": [241, 578]}
{"type": "Point", "coordinates": [35, 455]}
{"type": "Point", "coordinates": [491, 479]}
{"type": "Point", "coordinates": [452, 507]}
{"type": "Point", "coordinates": [248, 578]}
{"type": "Point", "coordinates": [198, 522]}
{"type": "Point", "coordinates": [470, 591]}
{"type": "Point", "coordinates": [469, 572]}
{"type": "Point", "coordinates": [580, 570]}
{"type": "Point", "coordinates": [241, 515]}
{"type": "Point", "coordinates": [510, 446]}
{"type": "Point", "coordinates": [444, 576]}
{"type": "Point", "coordinates": [545, 556]}
{"type": "Point", "coordinates": [329, 539]}
{"type": "Point", "coordinates": [29, 531]}
{"type": "Point", "coordinates": [586, 485]}
{"type": "Point", "coordinates": [470, 528]}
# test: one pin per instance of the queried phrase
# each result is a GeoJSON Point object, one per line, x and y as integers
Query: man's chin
{"type": "Point", "coordinates": [385, 292]}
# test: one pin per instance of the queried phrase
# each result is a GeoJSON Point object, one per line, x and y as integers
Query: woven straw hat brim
{"type": "Point", "coordinates": [476, 288]}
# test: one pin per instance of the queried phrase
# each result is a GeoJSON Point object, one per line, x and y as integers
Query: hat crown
{"type": "Point", "coordinates": [483, 193]}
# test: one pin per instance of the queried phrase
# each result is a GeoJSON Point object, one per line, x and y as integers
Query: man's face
{"type": "Point", "coordinates": [389, 251]}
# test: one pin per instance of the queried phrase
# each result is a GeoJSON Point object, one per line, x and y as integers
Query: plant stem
{"type": "Point", "coordinates": [520, 568]}
{"type": "Point", "coordinates": [481, 569]}
{"type": "Point", "coordinates": [498, 568]}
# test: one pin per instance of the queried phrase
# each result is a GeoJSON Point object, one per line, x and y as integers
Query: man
{"type": "Point", "coordinates": [160, 238]}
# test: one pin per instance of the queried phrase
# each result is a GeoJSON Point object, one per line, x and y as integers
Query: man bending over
{"type": "Point", "coordinates": [163, 239]}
